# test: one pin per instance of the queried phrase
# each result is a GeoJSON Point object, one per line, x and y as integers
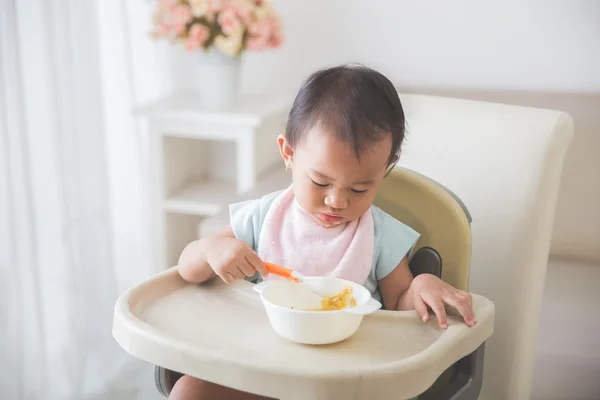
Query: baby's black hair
{"type": "Point", "coordinates": [356, 103]}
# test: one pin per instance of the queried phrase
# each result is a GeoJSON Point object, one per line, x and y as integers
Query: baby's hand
{"type": "Point", "coordinates": [429, 290]}
{"type": "Point", "coordinates": [233, 259]}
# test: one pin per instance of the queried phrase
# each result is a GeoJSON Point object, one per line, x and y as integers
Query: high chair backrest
{"type": "Point", "coordinates": [505, 163]}
{"type": "Point", "coordinates": [437, 214]}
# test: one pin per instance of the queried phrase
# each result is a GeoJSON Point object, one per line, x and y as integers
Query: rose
{"type": "Point", "coordinates": [179, 16]}
{"type": "Point", "coordinates": [229, 21]}
{"type": "Point", "coordinates": [197, 37]}
{"type": "Point", "coordinates": [264, 33]}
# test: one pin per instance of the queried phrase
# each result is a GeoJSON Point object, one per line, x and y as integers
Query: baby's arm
{"type": "Point", "coordinates": [400, 291]}
{"type": "Point", "coordinates": [395, 286]}
{"type": "Point", "coordinates": [220, 255]}
{"type": "Point", "coordinates": [193, 263]}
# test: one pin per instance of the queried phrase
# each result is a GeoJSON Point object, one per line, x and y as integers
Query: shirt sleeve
{"type": "Point", "coordinates": [393, 242]}
{"type": "Point", "coordinates": [244, 218]}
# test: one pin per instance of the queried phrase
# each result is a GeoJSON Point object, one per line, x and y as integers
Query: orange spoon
{"type": "Point", "coordinates": [283, 272]}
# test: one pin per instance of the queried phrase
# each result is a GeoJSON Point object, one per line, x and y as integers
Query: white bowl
{"type": "Point", "coordinates": [313, 327]}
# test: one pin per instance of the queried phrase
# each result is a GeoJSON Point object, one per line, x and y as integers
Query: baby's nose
{"type": "Point", "coordinates": [336, 202]}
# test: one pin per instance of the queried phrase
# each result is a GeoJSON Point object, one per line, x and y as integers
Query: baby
{"type": "Point", "coordinates": [343, 135]}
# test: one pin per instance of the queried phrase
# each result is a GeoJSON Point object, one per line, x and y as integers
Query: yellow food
{"type": "Point", "coordinates": [339, 301]}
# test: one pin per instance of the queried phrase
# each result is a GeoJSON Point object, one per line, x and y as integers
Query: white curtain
{"type": "Point", "coordinates": [72, 212]}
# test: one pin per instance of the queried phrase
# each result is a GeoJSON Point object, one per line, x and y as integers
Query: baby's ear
{"type": "Point", "coordinates": [286, 151]}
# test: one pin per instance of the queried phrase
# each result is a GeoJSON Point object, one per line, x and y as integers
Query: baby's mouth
{"type": "Point", "coordinates": [330, 219]}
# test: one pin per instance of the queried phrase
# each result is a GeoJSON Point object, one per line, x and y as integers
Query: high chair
{"type": "Point", "coordinates": [195, 329]}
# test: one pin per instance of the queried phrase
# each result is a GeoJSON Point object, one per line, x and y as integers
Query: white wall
{"type": "Point", "coordinates": [540, 45]}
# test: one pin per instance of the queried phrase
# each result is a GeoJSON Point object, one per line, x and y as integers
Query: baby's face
{"type": "Point", "coordinates": [330, 182]}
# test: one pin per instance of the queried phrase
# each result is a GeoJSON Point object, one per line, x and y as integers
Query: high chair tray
{"type": "Point", "coordinates": [220, 333]}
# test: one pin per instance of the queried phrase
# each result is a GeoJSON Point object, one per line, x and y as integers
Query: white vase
{"type": "Point", "coordinates": [218, 78]}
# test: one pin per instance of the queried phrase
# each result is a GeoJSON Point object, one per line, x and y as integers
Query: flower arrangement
{"type": "Point", "coordinates": [231, 26]}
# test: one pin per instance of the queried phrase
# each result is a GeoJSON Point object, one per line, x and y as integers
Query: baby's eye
{"type": "Point", "coordinates": [359, 191]}
{"type": "Point", "coordinates": [318, 184]}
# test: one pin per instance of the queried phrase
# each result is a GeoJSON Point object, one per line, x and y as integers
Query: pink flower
{"type": "Point", "coordinates": [262, 34]}
{"type": "Point", "coordinates": [180, 14]}
{"type": "Point", "coordinates": [243, 9]}
{"type": "Point", "coordinates": [229, 21]}
{"type": "Point", "coordinates": [276, 41]}
{"type": "Point", "coordinates": [259, 29]}
{"type": "Point", "coordinates": [166, 4]}
{"type": "Point", "coordinates": [163, 29]}
{"type": "Point", "coordinates": [277, 36]}
{"type": "Point", "coordinates": [179, 29]}
{"type": "Point", "coordinates": [255, 44]}
{"type": "Point", "coordinates": [197, 37]}
{"type": "Point", "coordinates": [274, 22]}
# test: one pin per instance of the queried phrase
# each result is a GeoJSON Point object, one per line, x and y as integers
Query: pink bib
{"type": "Point", "coordinates": [291, 238]}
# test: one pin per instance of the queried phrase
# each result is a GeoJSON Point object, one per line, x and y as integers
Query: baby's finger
{"type": "Point", "coordinates": [237, 273]}
{"type": "Point", "coordinates": [461, 294]}
{"type": "Point", "coordinates": [438, 308]}
{"type": "Point", "coordinates": [421, 308]}
{"type": "Point", "coordinates": [228, 278]}
{"type": "Point", "coordinates": [255, 261]}
{"type": "Point", "coordinates": [246, 269]}
{"type": "Point", "coordinates": [462, 306]}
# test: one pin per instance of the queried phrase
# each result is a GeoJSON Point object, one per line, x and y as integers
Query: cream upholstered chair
{"type": "Point", "coordinates": [504, 162]}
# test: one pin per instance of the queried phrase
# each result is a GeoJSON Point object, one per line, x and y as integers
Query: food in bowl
{"type": "Point", "coordinates": [295, 311]}
{"type": "Point", "coordinates": [342, 300]}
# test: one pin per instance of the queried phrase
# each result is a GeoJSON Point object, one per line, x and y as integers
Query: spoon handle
{"type": "Point", "coordinates": [283, 272]}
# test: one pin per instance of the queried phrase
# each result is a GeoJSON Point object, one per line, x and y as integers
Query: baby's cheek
{"type": "Point", "coordinates": [316, 202]}
{"type": "Point", "coordinates": [313, 196]}
{"type": "Point", "coordinates": [363, 205]}
{"type": "Point", "coordinates": [307, 198]}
